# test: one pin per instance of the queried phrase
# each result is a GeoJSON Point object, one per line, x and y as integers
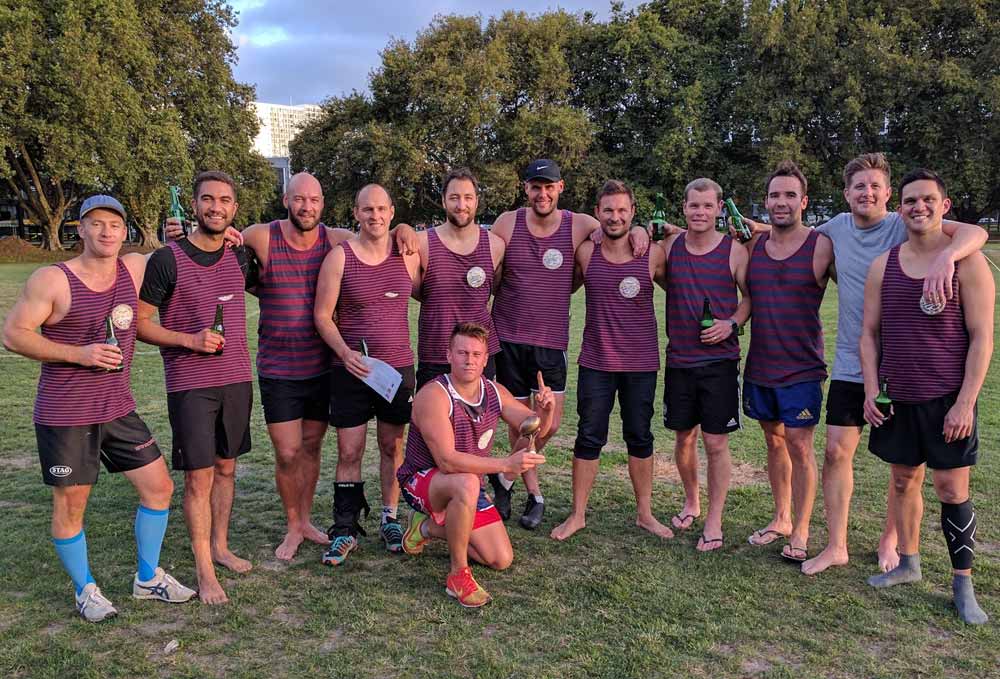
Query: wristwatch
{"type": "Point", "coordinates": [736, 326]}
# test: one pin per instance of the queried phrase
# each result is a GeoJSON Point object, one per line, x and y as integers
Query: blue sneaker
{"type": "Point", "coordinates": [340, 548]}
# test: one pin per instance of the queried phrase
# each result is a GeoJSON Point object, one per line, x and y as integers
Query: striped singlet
{"type": "Point", "coordinates": [191, 309]}
{"type": "Point", "coordinates": [455, 289]}
{"type": "Point", "coordinates": [539, 270]}
{"type": "Point", "coordinates": [72, 395]}
{"type": "Point", "coordinates": [474, 425]}
{"type": "Point", "coordinates": [620, 334]}
{"type": "Point", "coordinates": [373, 306]}
{"type": "Point", "coordinates": [690, 279]}
{"type": "Point", "coordinates": [923, 357]}
{"type": "Point", "coordinates": [786, 345]}
{"type": "Point", "coordinates": [288, 346]}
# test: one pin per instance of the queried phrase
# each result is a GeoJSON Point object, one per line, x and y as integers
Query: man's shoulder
{"type": "Point", "coordinates": [836, 224]}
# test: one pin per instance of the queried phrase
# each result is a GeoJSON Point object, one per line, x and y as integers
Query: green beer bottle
{"type": "Point", "coordinates": [218, 327]}
{"type": "Point", "coordinates": [109, 338]}
{"type": "Point", "coordinates": [707, 319]}
{"type": "Point", "coordinates": [882, 401]}
{"type": "Point", "coordinates": [364, 347]}
{"type": "Point", "coordinates": [742, 230]}
{"type": "Point", "coordinates": [659, 217]}
{"type": "Point", "coordinates": [176, 210]}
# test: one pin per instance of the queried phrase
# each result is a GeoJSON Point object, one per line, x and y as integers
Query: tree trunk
{"type": "Point", "coordinates": [50, 232]}
{"type": "Point", "coordinates": [147, 236]}
{"type": "Point", "coordinates": [42, 199]}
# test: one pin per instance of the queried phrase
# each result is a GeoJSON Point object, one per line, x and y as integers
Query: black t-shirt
{"type": "Point", "coordinates": [161, 270]}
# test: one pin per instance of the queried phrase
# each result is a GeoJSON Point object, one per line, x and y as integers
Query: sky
{"type": "Point", "coordinates": [302, 51]}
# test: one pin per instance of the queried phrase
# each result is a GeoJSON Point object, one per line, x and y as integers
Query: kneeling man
{"type": "Point", "coordinates": [455, 417]}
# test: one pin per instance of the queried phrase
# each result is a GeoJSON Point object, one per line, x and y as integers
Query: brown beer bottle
{"type": "Point", "coordinates": [218, 327]}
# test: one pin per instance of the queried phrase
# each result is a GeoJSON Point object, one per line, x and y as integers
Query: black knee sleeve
{"type": "Point", "coordinates": [959, 525]}
{"type": "Point", "coordinates": [348, 503]}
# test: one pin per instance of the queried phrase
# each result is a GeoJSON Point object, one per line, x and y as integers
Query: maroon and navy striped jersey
{"type": "Point", "coordinates": [72, 395]}
{"type": "Point", "coordinates": [455, 289]}
{"type": "Point", "coordinates": [786, 343]}
{"type": "Point", "coordinates": [373, 305]}
{"type": "Point", "coordinates": [922, 356]}
{"type": "Point", "coordinates": [289, 347]}
{"type": "Point", "coordinates": [532, 300]}
{"type": "Point", "coordinates": [620, 333]}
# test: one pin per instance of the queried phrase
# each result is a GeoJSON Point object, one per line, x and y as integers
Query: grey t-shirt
{"type": "Point", "coordinates": [855, 249]}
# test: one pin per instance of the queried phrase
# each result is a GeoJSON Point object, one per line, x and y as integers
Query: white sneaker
{"type": "Point", "coordinates": [163, 587]}
{"type": "Point", "coordinates": [92, 605]}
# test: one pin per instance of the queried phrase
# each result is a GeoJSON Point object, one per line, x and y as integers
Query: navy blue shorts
{"type": "Point", "coordinates": [797, 405]}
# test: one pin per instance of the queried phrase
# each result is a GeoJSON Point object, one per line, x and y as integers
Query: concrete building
{"type": "Point", "coordinates": [278, 126]}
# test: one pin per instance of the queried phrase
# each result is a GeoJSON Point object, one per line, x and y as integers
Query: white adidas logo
{"type": "Point", "coordinates": [732, 422]}
{"type": "Point", "coordinates": [804, 415]}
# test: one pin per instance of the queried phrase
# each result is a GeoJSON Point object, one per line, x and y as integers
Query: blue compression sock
{"type": "Point", "coordinates": [73, 554]}
{"type": "Point", "coordinates": [150, 526]}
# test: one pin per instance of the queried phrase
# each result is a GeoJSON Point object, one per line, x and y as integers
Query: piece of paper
{"type": "Point", "coordinates": [382, 377]}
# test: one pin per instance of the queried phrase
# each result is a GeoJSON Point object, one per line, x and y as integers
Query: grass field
{"type": "Point", "coordinates": [613, 602]}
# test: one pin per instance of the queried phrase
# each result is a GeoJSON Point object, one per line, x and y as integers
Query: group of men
{"type": "Point", "coordinates": [330, 300]}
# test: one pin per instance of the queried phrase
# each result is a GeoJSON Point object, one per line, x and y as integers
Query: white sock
{"type": "Point", "coordinates": [504, 482]}
{"type": "Point", "coordinates": [539, 499]}
{"type": "Point", "coordinates": [388, 512]}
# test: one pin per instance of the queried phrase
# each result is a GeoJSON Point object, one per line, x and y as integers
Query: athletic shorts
{"type": "Point", "coordinates": [417, 490]}
{"type": "Point", "coordinates": [708, 395]}
{"type": "Point", "coordinates": [795, 406]}
{"type": "Point", "coordinates": [290, 400]}
{"type": "Point", "coordinates": [72, 456]}
{"type": "Point", "coordinates": [595, 397]}
{"type": "Point", "coordinates": [353, 403]}
{"type": "Point", "coordinates": [428, 371]}
{"type": "Point", "coordinates": [913, 436]}
{"type": "Point", "coordinates": [845, 404]}
{"type": "Point", "coordinates": [210, 423]}
{"type": "Point", "coordinates": [518, 366]}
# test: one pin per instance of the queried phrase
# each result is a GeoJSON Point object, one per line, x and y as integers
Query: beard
{"type": "Point", "coordinates": [297, 223]}
{"type": "Point", "coordinates": [203, 225]}
{"type": "Point", "coordinates": [553, 206]}
{"type": "Point", "coordinates": [460, 222]}
{"type": "Point", "coordinates": [613, 236]}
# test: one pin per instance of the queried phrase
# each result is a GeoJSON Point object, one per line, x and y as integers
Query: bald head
{"type": "Point", "coordinates": [370, 192]}
{"type": "Point", "coordinates": [304, 200]}
{"type": "Point", "coordinates": [374, 211]}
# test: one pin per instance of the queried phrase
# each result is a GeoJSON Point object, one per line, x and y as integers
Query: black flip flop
{"type": "Point", "coordinates": [709, 541]}
{"type": "Point", "coordinates": [790, 555]}
{"type": "Point", "coordinates": [681, 519]}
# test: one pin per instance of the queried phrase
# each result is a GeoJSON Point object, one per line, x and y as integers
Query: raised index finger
{"type": "Point", "coordinates": [541, 381]}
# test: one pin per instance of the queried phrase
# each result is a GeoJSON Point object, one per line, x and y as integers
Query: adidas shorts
{"type": "Point", "coordinates": [797, 405]}
{"type": "Point", "coordinates": [353, 403]}
{"type": "Point", "coordinates": [708, 395]}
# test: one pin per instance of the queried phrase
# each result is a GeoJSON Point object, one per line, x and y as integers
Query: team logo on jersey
{"type": "Point", "coordinates": [121, 316]}
{"type": "Point", "coordinates": [392, 295]}
{"type": "Point", "coordinates": [552, 259]}
{"type": "Point", "coordinates": [485, 439]}
{"type": "Point", "coordinates": [475, 276]}
{"type": "Point", "coordinates": [629, 287]}
{"type": "Point", "coordinates": [60, 470]}
{"type": "Point", "coordinates": [931, 308]}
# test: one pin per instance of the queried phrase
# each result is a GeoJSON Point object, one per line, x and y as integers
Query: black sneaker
{"type": "Point", "coordinates": [501, 496]}
{"type": "Point", "coordinates": [533, 511]}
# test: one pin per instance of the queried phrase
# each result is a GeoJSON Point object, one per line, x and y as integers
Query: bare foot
{"type": "Point", "coordinates": [888, 557]}
{"type": "Point", "coordinates": [565, 529]}
{"type": "Point", "coordinates": [654, 527]}
{"type": "Point", "coordinates": [231, 561]}
{"type": "Point", "coordinates": [825, 559]}
{"type": "Point", "coordinates": [210, 591]}
{"type": "Point", "coordinates": [289, 546]}
{"type": "Point", "coordinates": [314, 534]}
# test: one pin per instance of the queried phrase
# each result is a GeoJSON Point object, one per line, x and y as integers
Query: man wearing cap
{"type": "Point", "coordinates": [209, 382]}
{"type": "Point", "coordinates": [531, 309]}
{"type": "Point", "coordinates": [84, 410]}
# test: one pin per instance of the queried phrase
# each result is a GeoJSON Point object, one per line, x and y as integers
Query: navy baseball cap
{"type": "Point", "coordinates": [543, 168]}
{"type": "Point", "coordinates": [104, 202]}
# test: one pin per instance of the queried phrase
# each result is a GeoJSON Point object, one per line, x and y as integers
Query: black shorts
{"type": "Point", "coordinates": [428, 371]}
{"type": "Point", "coordinates": [708, 395]}
{"type": "Point", "coordinates": [210, 423]}
{"type": "Point", "coordinates": [913, 436]}
{"type": "Point", "coordinates": [518, 366]}
{"type": "Point", "coordinates": [352, 402]}
{"type": "Point", "coordinates": [72, 456]}
{"type": "Point", "coordinates": [288, 400]}
{"type": "Point", "coordinates": [845, 404]}
{"type": "Point", "coordinates": [595, 397]}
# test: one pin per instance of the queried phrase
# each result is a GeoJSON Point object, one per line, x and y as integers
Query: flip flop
{"type": "Point", "coordinates": [681, 518]}
{"type": "Point", "coordinates": [768, 533]}
{"type": "Point", "coordinates": [794, 554]}
{"type": "Point", "coordinates": [704, 541]}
